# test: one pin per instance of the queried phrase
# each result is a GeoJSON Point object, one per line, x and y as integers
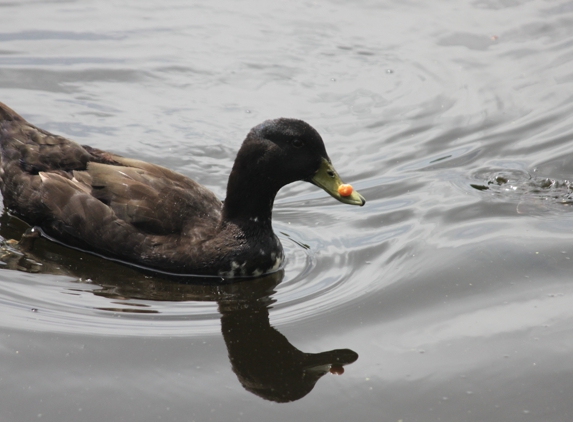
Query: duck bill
{"type": "Point", "coordinates": [327, 178]}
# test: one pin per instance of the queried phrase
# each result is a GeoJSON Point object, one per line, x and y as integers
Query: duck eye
{"type": "Point", "coordinates": [297, 143]}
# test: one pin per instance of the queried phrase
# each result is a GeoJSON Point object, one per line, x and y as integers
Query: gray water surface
{"type": "Point", "coordinates": [448, 297]}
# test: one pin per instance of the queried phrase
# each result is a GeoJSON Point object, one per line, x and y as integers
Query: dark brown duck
{"type": "Point", "coordinates": [150, 216]}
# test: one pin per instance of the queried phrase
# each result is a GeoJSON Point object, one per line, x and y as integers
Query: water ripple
{"type": "Point", "coordinates": [56, 289]}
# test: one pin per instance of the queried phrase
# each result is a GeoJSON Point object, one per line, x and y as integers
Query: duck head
{"type": "Point", "coordinates": [282, 151]}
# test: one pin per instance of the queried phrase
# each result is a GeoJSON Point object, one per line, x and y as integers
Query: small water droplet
{"type": "Point", "coordinates": [333, 79]}
{"type": "Point", "coordinates": [389, 71]}
{"type": "Point", "coordinates": [247, 111]}
{"type": "Point", "coordinates": [34, 309]}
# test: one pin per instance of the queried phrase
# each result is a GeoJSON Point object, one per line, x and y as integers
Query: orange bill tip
{"type": "Point", "coordinates": [337, 369]}
{"type": "Point", "coordinates": [345, 190]}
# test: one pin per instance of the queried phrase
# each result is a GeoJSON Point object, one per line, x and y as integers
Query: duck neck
{"type": "Point", "coordinates": [249, 202]}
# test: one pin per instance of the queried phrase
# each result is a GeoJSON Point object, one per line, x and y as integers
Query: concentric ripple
{"type": "Point", "coordinates": [56, 289]}
{"type": "Point", "coordinates": [532, 192]}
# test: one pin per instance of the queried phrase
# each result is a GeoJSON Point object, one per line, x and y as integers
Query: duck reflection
{"type": "Point", "coordinates": [265, 362]}
{"type": "Point", "coordinates": [263, 359]}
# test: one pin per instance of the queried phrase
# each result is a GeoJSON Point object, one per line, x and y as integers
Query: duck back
{"type": "Point", "coordinates": [95, 200]}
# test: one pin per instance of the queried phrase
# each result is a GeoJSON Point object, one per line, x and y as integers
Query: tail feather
{"type": "Point", "coordinates": [7, 114]}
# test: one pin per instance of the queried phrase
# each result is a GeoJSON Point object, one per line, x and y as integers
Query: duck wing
{"type": "Point", "coordinates": [91, 198]}
{"type": "Point", "coordinates": [153, 199]}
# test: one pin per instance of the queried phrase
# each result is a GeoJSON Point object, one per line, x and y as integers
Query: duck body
{"type": "Point", "coordinates": [150, 216]}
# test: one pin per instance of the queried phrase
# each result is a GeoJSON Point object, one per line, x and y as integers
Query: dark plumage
{"type": "Point", "coordinates": [150, 216]}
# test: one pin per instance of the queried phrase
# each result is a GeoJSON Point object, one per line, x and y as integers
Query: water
{"type": "Point", "coordinates": [452, 285]}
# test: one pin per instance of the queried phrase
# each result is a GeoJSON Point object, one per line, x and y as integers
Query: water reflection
{"type": "Point", "coordinates": [265, 362]}
{"type": "Point", "coordinates": [263, 359]}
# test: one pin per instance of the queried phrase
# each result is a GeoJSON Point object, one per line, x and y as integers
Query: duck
{"type": "Point", "coordinates": [148, 216]}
